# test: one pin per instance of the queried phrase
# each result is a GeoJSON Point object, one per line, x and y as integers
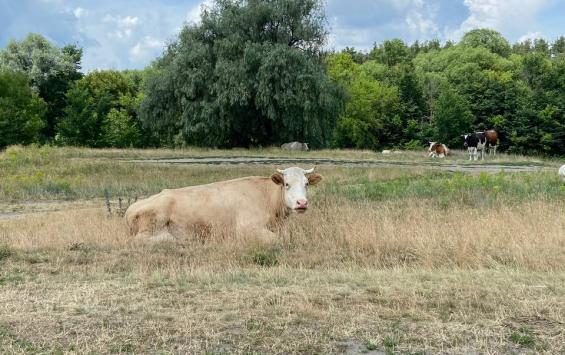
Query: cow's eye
{"type": "Point", "coordinates": [287, 185]}
{"type": "Point", "coordinates": [307, 183]}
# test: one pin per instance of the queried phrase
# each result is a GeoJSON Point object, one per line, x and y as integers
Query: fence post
{"type": "Point", "coordinates": [107, 198]}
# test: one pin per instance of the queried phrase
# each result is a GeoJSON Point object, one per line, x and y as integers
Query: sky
{"type": "Point", "coordinates": [129, 34]}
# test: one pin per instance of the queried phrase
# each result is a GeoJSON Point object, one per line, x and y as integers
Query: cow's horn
{"type": "Point", "coordinates": [309, 171]}
{"type": "Point", "coordinates": [280, 171]}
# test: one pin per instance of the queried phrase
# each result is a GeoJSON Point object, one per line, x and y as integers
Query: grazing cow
{"type": "Point", "coordinates": [492, 141]}
{"type": "Point", "coordinates": [562, 172]}
{"type": "Point", "coordinates": [295, 146]}
{"type": "Point", "coordinates": [475, 142]}
{"type": "Point", "coordinates": [247, 206]}
{"type": "Point", "coordinates": [438, 150]}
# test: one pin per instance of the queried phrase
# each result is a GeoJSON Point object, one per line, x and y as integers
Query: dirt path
{"type": "Point", "coordinates": [276, 161]}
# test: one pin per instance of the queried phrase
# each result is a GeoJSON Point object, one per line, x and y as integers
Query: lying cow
{"type": "Point", "coordinates": [438, 150]}
{"type": "Point", "coordinates": [248, 206]}
{"type": "Point", "coordinates": [295, 146]}
{"type": "Point", "coordinates": [475, 143]}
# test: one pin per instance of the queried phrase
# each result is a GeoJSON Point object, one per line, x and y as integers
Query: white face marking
{"type": "Point", "coordinates": [431, 145]}
{"type": "Point", "coordinates": [295, 188]}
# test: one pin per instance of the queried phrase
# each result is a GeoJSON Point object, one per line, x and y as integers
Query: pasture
{"type": "Point", "coordinates": [407, 258]}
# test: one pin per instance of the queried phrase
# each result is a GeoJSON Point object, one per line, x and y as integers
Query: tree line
{"type": "Point", "coordinates": [254, 73]}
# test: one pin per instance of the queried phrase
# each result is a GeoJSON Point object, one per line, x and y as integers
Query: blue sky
{"type": "Point", "coordinates": [128, 34]}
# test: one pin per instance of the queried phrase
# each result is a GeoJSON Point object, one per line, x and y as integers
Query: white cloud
{"type": "Point", "coordinates": [144, 47]}
{"type": "Point", "coordinates": [79, 12]}
{"type": "Point", "coordinates": [421, 19]}
{"type": "Point", "coordinates": [509, 16]}
{"type": "Point", "coordinates": [530, 36]}
{"type": "Point", "coordinates": [124, 26]}
{"type": "Point", "coordinates": [193, 15]}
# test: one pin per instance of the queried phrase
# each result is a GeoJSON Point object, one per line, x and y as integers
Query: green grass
{"type": "Point", "coordinates": [458, 188]}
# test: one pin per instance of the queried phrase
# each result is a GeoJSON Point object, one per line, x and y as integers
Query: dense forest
{"type": "Point", "coordinates": [255, 73]}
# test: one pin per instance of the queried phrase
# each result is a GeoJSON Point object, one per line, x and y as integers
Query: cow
{"type": "Point", "coordinates": [562, 172]}
{"type": "Point", "coordinates": [475, 142]}
{"type": "Point", "coordinates": [438, 150]}
{"type": "Point", "coordinates": [295, 146]}
{"type": "Point", "coordinates": [492, 141]}
{"type": "Point", "coordinates": [386, 152]}
{"type": "Point", "coordinates": [247, 206]}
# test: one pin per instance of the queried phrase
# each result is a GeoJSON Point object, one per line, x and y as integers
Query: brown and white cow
{"type": "Point", "coordinates": [492, 140]}
{"type": "Point", "coordinates": [247, 206]}
{"type": "Point", "coordinates": [438, 150]}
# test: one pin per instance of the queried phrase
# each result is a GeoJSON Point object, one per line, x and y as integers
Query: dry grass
{"type": "Point", "coordinates": [403, 261]}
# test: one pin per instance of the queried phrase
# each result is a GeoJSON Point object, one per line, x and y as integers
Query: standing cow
{"type": "Point", "coordinates": [438, 150]}
{"type": "Point", "coordinates": [295, 146]}
{"type": "Point", "coordinates": [475, 143]}
{"type": "Point", "coordinates": [248, 206]}
{"type": "Point", "coordinates": [492, 141]}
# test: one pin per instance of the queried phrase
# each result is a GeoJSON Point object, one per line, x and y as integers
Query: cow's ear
{"type": "Point", "coordinates": [277, 178]}
{"type": "Point", "coordinates": [313, 179]}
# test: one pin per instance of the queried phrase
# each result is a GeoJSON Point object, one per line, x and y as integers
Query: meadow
{"type": "Point", "coordinates": [403, 259]}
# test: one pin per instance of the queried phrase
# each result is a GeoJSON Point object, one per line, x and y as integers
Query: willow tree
{"type": "Point", "coordinates": [250, 73]}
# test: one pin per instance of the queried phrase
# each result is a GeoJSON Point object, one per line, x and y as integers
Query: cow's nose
{"type": "Point", "coordinates": [302, 203]}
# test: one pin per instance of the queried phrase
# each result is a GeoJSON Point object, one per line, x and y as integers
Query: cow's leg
{"type": "Point", "coordinates": [494, 150]}
{"type": "Point", "coordinates": [470, 151]}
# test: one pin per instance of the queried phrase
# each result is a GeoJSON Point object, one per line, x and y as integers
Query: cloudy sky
{"type": "Point", "coordinates": [128, 34]}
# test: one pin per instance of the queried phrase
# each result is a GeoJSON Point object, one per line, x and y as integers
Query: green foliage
{"type": "Point", "coordinates": [102, 111]}
{"type": "Point", "coordinates": [452, 117]}
{"type": "Point", "coordinates": [249, 74]}
{"type": "Point", "coordinates": [49, 69]}
{"type": "Point", "coordinates": [22, 112]}
{"type": "Point", "coordinates": [486, 38]}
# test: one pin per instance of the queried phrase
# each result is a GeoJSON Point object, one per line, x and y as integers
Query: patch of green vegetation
{"type": "Point", "coordinates": [263, 255]}
{"type": "Point", "coordinates": [5, 252]}
{"type": "Point", "coordinates": [459, 188]}
{"type": "Point", "coordinates": [390, 344]}
{"type": "Point", "coordinates": [524, 337]}
{"type": "Point", "coordinates": [370, 346]}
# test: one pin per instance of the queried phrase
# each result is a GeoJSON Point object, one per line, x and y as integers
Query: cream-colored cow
{"type": "Point", "coordinates": [248, 206]}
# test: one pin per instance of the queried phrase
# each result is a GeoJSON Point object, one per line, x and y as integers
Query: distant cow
{"type": "Point", "coordinates": [247, 206]}
{"type": "Point", "coordinates": [295, 146]}
{"type": "Point", "coordinates": [386, 152]}
{"type": "Point", "coordinates": [562, 172]}
{"type": "Point", "coordinates": [438, 150]}
{"type": "Point", "coordinates": [492, 140]}
{"type": "Point", "coordinates": [475, 143]}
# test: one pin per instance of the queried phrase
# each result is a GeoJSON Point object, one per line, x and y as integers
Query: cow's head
{"type": "Point", "coordinates": [432, 146]}
{"type": "Point", "coordinates": [305, 146]}
{"type": "Point", "coordinates": [465, 136]}
{"type": "Point", "coordinates": [295, 182]}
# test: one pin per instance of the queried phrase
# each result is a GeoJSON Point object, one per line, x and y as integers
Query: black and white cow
{"type": "Point", "coordinates": [475, 142]}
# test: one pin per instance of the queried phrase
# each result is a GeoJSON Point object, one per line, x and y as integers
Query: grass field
{"type": "Point", "coordinates": [388, 260]}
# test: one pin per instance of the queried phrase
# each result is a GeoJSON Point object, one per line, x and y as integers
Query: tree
{"type": "Point", "coordinates": [371, 117]}
{"type": "Point", "coordinates": [453, 117]}
{"type": "Point", "coordinates": [250, 74]}
{"type": "Point", "coordinates": [102, 111]}
{"type": "Point", "coordinates": [50, 71]}
{"type": "Point", "coordinates": [390, 52]}
{"type": "Point", "coordinates": [486, 38]}
{"type": "Point", "coordinates": [21, 110]}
